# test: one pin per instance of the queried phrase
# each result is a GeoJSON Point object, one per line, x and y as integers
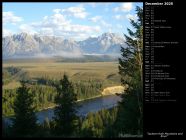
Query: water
{"type": "Point", "coordinates": [91, 105]}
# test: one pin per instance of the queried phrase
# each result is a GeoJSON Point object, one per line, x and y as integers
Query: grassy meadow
{"type": "Point", "coordinates": [107, 72]}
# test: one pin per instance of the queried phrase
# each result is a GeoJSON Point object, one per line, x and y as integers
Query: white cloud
{"type": "Point", "coordinates": [124, 7]}
{"type": "Point", "coordinates": [58, 25]}
{"type": "Point", "coordinates": [96, 18]}
{"type": "Point", "coordinates": [6, 32]}
{"type": "Point", "coordinates": [78, 12]}
{"type": "Point", "coordinates": [83, 28]}
{"type": "Point", "coordinates": [47, 31]}
{"type": "Point", "coordinates": [110, 30]}
{"type": "Point", "coordinates": [27, 29]}
{"type": "Point", "coordinates": [52, 21]}
{"type": "Point", "coordinates": [105, 24]}
{"type": "Point", "coordinates": [57, 11]}
{"type": "Point", "coordinates": [133, 17]}
{"type": "Point", "coordinates": [9, 17]}
{"type": "Point", "coordinates": [94, 4]}
{"type": "Point", "coordinates": [57, 19]}
{"type": "Point", "coordinates": [81, 15]}
{"type": "Point", "coordinates": [45, 17]}
{"type": "Point", "coordinates": [100, 21]}
{"type": "Point", "coordinates": [118, 17]}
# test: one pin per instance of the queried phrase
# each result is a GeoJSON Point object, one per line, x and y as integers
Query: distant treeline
{"type": "Point", "coordinates": [90, 58]}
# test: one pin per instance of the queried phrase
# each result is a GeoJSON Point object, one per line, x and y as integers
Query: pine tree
{"type": "Point", "coordinates": [98, 124]}
{"type": "Point", "coordinates": [24, 123]}
{"type": "Point", "coordinates": [129, 118]}
{"type": "Point", "coordinates": [65, 112]}
{"type": "Point", "coordinates": [87, 128]}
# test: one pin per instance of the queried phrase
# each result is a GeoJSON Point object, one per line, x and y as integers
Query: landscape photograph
{"type": "Point", "coordinates": [72, 69]}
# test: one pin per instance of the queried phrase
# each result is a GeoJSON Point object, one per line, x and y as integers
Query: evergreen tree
{"type": "Point", "coordinates": [98, 124]}
{"type": "Point", "coordinates": [129, 118]}
{"type": "Point", "coordinates": [87, 129]}
{"type": "Point", "coordinates": [65, 112]}
{"type": "Point", "coordinates": [24, 123]}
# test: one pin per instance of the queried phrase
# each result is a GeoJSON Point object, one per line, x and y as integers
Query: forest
{"type": "Point", "coordinates": [44, 92]}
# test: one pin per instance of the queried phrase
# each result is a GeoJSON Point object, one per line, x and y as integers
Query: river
{"type": "Point", "coordinates": [86, 106]}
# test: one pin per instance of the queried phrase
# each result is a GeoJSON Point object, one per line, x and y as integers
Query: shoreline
{"type": "Point", "coordinates": [80, 100]}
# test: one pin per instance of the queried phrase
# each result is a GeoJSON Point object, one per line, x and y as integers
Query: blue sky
{"type": "Point", "coordinates": [69, 20]}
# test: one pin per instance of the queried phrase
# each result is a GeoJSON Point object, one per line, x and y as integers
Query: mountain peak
{"type": "Point", "coordinates": [21, 36]}
{"type": "Point", "coordinates": [24, 44]}
{"type": "Point", "coordinates": [107, 34]}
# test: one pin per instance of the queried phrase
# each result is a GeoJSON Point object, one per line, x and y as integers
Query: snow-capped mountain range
{"type": "Point", "coordinates": [24, 45]}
